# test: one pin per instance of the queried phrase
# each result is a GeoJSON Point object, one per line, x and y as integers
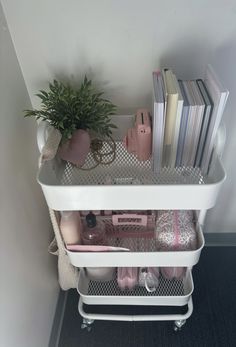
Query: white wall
{"type": "Point", "coordinates": [29, 288]}
{"type": "Point", "coordinates": [119, 43]}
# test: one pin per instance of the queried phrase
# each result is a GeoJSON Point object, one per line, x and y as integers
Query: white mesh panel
{"type": "Point", "coordinates": [126, 169]}
{"type": "Point", "coordinates": [111, 288]}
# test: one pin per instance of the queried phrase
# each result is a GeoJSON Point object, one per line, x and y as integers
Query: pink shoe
{"type": "Point", "coordinates": [173, 272]}
{"type": "Point", "coordinates": [127, 277]}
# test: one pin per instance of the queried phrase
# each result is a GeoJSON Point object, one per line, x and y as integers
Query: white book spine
{"type": "Point", "coordinates": [158, 122]}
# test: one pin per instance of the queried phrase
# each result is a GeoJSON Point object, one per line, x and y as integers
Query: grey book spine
{"type": "Point", "coordinates": [183, 126]}
{"type": "Point", "coordinates": [206, 120]}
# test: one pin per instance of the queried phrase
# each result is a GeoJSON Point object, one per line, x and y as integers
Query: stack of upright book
{"type": "Point", "coordinates": [186, 116]}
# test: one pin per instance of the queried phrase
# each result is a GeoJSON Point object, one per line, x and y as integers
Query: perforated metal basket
{"type": "Point", "coordinates": [143, 252]}
{"type": "Point", "coordinates": [128, 184]}
{"type": "Point", "coordinates": [168, 292]}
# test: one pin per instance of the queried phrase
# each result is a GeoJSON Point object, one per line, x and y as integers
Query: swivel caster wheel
{"type": "Point", "coordinates": [178, 324]}
{"type": "Point", "coordinates": [87, 324]}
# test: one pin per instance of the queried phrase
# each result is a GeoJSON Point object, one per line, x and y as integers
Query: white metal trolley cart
{"type": "Point", "coordinates": [133, 187]}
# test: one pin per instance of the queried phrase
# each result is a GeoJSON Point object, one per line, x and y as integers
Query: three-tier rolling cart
{"type": "Point", "coordinates": [132, 185]}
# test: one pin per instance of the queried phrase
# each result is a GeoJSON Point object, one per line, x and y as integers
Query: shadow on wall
{"type": "Point", "coordinates": [114, 90]}
{"type": "Point", "coordinates": [223, 215]}
{"type": "Point", "coordinates": [188, 59]}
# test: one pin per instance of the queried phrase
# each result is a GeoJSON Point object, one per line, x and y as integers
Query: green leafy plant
{"type": "Point", "coordinates": [68, 109]}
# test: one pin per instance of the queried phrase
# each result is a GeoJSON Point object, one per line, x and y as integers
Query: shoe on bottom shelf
{"type": "Point", "coordinates": [171, 273]}
{"type": "Point", "coordinates": [102, 274]}
{"type": "Point", "coordinates": [127, 277]}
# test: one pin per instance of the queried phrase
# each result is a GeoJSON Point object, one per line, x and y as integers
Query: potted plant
{"type": "Point", "coordinates": [75, 113]}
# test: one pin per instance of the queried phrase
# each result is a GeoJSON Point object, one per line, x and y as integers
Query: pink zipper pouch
{"type": "Point", "coordinates": [175, 231]}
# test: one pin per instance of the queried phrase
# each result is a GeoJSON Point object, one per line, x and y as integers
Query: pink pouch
{"type": "Point", "coordinates": [175, 232]}
{"type": "Point", "coordinates": [127, 277]}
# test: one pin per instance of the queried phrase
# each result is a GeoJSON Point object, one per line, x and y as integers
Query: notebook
{"type": "Point", "coordinates": [171, 95]}
{"type": "Point", "coordinates": [158, 121]}
{"type": "Point", "coordinates": [206, 118]}
{"type": "Point", "coordinates": [200, 108]}
{"type": "Point", "coordinates": [183, 125]}
{"type": "Point", "coordinates": [174, 145]}
{"type": "Point", "coordinates": [190, 124]}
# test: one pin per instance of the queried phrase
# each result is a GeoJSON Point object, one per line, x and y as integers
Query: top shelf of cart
{"type": "Point", "coordinates": [128, 183]}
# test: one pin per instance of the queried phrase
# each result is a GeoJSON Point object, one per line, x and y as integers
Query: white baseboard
{"type": "Point", "coordinates": [220, 239]}
{"type": "Point", "coordinates": [58, 319]}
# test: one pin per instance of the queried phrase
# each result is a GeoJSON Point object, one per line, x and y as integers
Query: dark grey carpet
{"type": "Point", "coordinates": [212, 324]}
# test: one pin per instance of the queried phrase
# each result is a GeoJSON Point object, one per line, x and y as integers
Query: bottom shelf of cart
{"type": "Point", "coordinates": [92, 313]}
{"type": "Point", "coordinates": [168, 292]}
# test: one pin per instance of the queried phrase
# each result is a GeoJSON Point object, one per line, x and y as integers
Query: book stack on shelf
{"type": "Point", "coordinates": [186, 116]}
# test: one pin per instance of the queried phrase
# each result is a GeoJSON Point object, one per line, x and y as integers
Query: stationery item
{"type": "Point", "coordinates": [100, 273]}
{"type": "Point", "coordinates": [139, 139]}
{"type": "Point", "coordinates": [219, 95]}
{"type": "Point", "coordinates": [183, 125]}
{"type": "Point", "coordinates": [190, 124]}
{"type": "Point", "coordinates": [129, 219]}
{"type": "Point", "coordinates": [158, 122]}
{"type": "Point", "coordinates": [171, 95]}
{"type": "Point", "coordinates": [171, 273]}
{"type": "Point", "coordinates": [71, 227]}
{"type": "Point", "coordinates": [133, 226]}
{"type": "Point", "coordinates": [200, 107]}
{"type": "Point", "coordinates": [149, 278]}
{"type": "Point", "coordinates": [206, 119]}
{"type": "Point", "coordinates": [93, 231]}
{"type": "Point", "coordinates": [127, 277]}
{"type": "Point", "coordinates": [176, 132]}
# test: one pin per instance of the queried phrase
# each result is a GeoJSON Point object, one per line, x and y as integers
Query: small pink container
{"type": "Point", "coordinates": [138, 140]}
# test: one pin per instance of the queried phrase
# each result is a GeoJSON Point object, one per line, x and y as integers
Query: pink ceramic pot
{"type": "Point", "coordinates": [77, 148]}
